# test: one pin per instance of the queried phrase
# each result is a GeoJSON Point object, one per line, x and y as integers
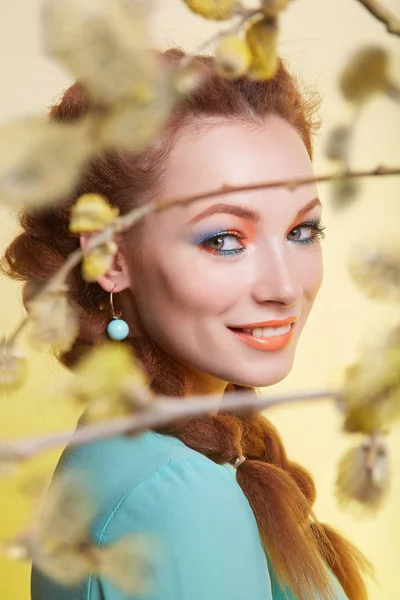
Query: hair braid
{"type": "Point", "coordinates": [281, 494]}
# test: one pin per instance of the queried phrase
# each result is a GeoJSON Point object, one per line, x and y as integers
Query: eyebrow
{"type": "Point", "coordinates": [245, 213]}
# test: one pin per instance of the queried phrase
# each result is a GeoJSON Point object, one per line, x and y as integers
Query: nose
{"type": "Point", "coordinates": [277, 278]}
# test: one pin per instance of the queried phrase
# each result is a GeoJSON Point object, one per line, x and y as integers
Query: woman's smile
{"type": "Point", "coordinates": [266, 338]}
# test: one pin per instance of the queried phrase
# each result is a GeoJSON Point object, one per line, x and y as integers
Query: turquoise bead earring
{"type": "Point", "coordinates": [117, 329]}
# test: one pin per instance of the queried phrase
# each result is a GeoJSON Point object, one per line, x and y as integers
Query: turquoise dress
{"type": "Point", "coordinates": [209, 543]}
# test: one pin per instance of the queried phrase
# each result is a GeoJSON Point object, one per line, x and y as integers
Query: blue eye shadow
{"type": "Point", "coordinates": [199, 238]}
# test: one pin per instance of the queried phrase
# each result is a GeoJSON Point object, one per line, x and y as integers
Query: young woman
{"type": "Point", "coordinates": [216, 294]}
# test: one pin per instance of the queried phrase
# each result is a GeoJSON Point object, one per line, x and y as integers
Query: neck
{"type": "Point", "coordinates": [172, 378]}
{"type": "Point", "coordinates": [201, 384]}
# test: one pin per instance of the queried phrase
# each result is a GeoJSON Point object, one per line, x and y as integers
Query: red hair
{"type": "Point", "coordinates": [280, 492]}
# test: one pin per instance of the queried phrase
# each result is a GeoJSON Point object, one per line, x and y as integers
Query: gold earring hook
{"type": "Point", "coordinates": [115, 313]}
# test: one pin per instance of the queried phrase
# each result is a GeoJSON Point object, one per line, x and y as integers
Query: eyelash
{"type": "Point", "coordinates": [315, 224]}
{"type": "Point", "coordinates": [317, 227]}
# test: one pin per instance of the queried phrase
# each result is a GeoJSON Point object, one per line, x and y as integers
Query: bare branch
{"type": "Point", "coordinates": [163, 410]}
{"type": "Point", "coordinates": [383, 14]}
{"type": "Point", "coordinates": [136, 214]}
{"type": "Point", "coordinates": [290, 184]}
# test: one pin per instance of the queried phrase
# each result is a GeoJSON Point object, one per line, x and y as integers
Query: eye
{"type": "Point", "coordinates": [316, 228]}
{"type": "Point", "coordinates": [225, 242]}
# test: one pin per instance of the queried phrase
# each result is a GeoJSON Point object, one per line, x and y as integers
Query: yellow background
{"type": "Point", "coordinates": [317, 37]}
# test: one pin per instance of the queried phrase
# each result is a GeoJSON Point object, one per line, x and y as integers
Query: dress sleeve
{"type": "Point", "coordinates": [206, 533]}
{"type": "Point", "coordinates": [210, 547]}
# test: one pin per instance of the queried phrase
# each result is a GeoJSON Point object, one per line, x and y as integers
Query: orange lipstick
{"type": "Point", "coordinates": [268, 343]}
{"type": "Point", "coordinates": [275, 323]}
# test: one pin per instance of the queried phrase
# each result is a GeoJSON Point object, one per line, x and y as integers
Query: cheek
{"type": "Point", "coordinates": [180, 286]}
{"type": "Point", "coordinates": [312, 274]}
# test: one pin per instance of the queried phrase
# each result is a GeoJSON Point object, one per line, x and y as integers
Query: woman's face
{"type": "Point", "coordinates": [232, 261]}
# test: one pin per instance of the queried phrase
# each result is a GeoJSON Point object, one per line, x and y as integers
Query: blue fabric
{"type": "Point", "coordinates": [209, 546]}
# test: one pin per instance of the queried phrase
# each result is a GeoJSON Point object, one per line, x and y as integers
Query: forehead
{"type": "Point", "coordinates": [235, 153]}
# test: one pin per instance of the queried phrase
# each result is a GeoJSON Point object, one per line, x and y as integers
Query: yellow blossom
{"type": "Point", "coordinates": [91, 212]}
{"type": "Point", "coordinates": [233, 57]}
{"type": "Point", "coordinates": [364, 475]}
{"type": "Point", "coordinates": [271, 8]}
{"type": "Point", "coordinates": [103, 43]}
{"type": "Point", "coordinates": [376, 269]}
{"type": "Point", "coordinates": [110, 381]}
{"type": "Point", "coordinates": [186, 79]}
{"type": "Point", "coordinates": [98, 261]}
{"type": "Point", "coordinates": [59, 542]}
{"type": "Point", "coordinates": [40, 160]}
{"type": "Point", "coordinates": [218, 10]}
{"type": "Point", "coordinates": [133, 123]}
{"type": "Point", "coordinates": [52, 320]}
{"type": "Point", "coordinates": [337, 147]}
{"type": "Point", "coordinates": [262, 38]}
{"type": "Point", "coordinates": [68, 511]}
{"type": "Point", "coordinates": [130, 563]}
{"type": "Point", "coordinates": [365, 74]}
{"type": "Point", "coordinates": [371, 389]}
{"type": "Point", "coordinates": [61, 546]}
{"type": "Point", "coordinates": [130, 127]}
{"type": "Point", "coordinates": [68, 565]}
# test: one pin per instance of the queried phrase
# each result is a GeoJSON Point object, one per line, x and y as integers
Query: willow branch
{"type": "Point", "coordinates": [136, 214]}
{"type": "Point", "coordinates": [290, 184]}
{"type": "Point", "coordinates": [383, 14]}
{"type": "Point", "coordinates": [163, 410]}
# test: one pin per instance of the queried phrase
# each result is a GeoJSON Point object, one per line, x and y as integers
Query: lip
{"type": "Point", "coordinates": [266, 344]}
{"type": "Point", "coordinates": [274, 323]}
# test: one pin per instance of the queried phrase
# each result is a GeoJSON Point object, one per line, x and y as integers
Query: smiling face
{"type": "Point", "coordinates": [232, 261]}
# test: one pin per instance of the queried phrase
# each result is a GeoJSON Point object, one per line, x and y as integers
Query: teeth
{"type": "Point", "coordinates": [268, 331]}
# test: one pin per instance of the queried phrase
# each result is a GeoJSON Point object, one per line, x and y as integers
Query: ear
{"type": "Point", "coordinates": [117, 277]}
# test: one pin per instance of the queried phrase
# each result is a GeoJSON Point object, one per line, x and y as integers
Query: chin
{"type": "Point", "coordinates": [253, 375]}
{"type": "Point", "coordinates": [265, 373]}
{"type": "Point", "coordinates": [262, 380]}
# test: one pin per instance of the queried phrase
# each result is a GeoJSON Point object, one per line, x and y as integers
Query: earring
{"type": "Point", "coordinates": [117, 329]}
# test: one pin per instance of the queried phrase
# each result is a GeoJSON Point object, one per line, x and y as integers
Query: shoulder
{"type": "Point", "coordinates": [205, 533]}
{"type": "Point", "coordinates": [162, 478]}
{"type": "Point", "coordinates": [114, 466]}
{"type": "Point", "coordinates": [148, 466]}
{"type": "Point", "coordinates": [185, 490]}
{"type": "Point", "coordinates": [206, 536]}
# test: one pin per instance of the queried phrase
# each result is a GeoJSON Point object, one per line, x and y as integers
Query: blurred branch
{"type": "Point", "coordinates": [163, 410]}
{"type": "Point", "coordinates": [132, 217]}
{"type": "Point", "coordinates": [290, 184]}
{"type": "Point", "coordinates": [383, 14]}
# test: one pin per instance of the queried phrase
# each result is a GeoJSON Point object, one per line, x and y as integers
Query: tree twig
{"type": "Point", "coordinates": [383, 14]}
{"type": "Point", "coordinates": [163, 410]}
{"type": "Point", "coordinates": [290, 184]}
{"type": "Point", "coordinates": [136, 214]}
